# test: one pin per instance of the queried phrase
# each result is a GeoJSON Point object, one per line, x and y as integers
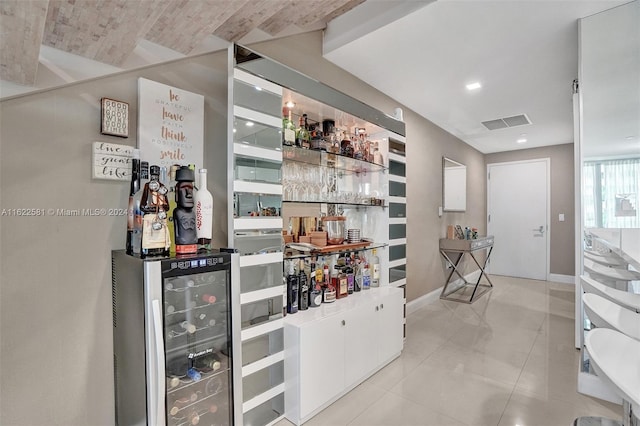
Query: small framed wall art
{"type": "Point", "coordinates": [115, 118]}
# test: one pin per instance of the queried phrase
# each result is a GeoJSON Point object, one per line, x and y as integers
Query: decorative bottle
{"type": "Point", "coordinates": [204, 212]}
{"type": "Point", "coordinates": [154, 206]}
{"type": "Point", "coordinates": [184, 215]}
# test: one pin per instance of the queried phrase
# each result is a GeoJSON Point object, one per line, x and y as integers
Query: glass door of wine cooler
{"type": "Point", "coordinates": [197, 338]}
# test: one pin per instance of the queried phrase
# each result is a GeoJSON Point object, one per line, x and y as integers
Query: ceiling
{"type": "Point", "coordinates": [524, 54]}
{"type": "Point", "coordinates": [46, 43]}
{"type": "Point", "coordinates": [421, 52]}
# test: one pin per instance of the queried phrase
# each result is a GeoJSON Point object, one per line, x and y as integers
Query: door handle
{"type": "Point", "coordinates": [540, 229]}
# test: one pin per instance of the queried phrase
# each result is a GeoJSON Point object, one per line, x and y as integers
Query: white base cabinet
{"type": "Point", "coordinates": [331, 349]}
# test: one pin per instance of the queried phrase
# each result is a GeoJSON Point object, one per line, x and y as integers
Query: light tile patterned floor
{"type": "Point", "coordinates": [505, 360]}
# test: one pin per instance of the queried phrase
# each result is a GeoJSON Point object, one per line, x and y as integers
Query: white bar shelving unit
{"type": "Point", "coordinates": [255, 229]}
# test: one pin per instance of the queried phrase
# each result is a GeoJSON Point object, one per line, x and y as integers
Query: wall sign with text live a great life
{"type": "Point", "coordinates": [170, 125]}
{"type": "Point", "coordinates": [111, 161]}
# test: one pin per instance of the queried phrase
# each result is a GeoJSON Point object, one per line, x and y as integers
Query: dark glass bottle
{"type": "Point", "coordinates": [133, 189]}
{"type": "Point", "coordinates": [292, 290]}
{"type": "Point", "coordinates": [315, 293]}
{"type": "Point", "coordinates": [303, 294]}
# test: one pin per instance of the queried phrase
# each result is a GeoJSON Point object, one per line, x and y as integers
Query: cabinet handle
{"type": "Point", "coordinates": [344, 322]}
{"type": "Point", "coordinates": [382, 306]}
{"type": "Point", "coordinates": [377, 308]}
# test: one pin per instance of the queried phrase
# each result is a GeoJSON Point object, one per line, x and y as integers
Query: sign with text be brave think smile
{"type": "Point", "coordinates": [170, 125]}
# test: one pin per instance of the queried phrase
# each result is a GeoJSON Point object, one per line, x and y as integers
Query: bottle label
{"type": "Point", "coordinates": [204, 218]}
{"type": "Point", "coordinates": [343, 286]}
{"type": "Point", "coordinates": [376, 271]}
{"type": "Point", "coordinates": [151, 238]}
{"type": "Point", "coordinates": [289, 136]}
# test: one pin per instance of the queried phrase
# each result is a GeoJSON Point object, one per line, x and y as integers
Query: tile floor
{"type": "Point", "coordinates": [506, 359]}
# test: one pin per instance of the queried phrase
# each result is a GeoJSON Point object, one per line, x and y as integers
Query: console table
{"type": "Point", "coordinates": [460, 248]}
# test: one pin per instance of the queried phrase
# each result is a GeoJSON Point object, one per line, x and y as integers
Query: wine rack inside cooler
{"type": "Point", "coordinates": [197, 342]}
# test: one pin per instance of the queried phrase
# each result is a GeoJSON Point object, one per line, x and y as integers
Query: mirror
{"type": "Point", "coordinates": [454, 186]}
{"type": "Point", "coordinates": [609, 88]}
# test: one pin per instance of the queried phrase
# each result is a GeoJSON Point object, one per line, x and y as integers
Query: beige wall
{"type": "Point", "coordinates": [562, 234]}
{"type": "Point", "coordinates": [56, 355]}
{"type": "Point", "coordinates": [426, 144]}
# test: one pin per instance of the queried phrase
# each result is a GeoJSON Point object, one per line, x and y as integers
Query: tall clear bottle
{"type": "Point", "coordinates": [204, 212]}
{"type": "Point", "coordinates": [375, 266]}
{"type": "Point", "coordinates": [288, 128]}
{"type": "Point", "coordinates": [136, 238]}
{"type": "Point", "coordinates": [133, 189]}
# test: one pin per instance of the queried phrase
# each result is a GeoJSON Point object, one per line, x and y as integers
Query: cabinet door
{"type": "Point", "coordinates": [321, 363]}
{"type": "Point", "coordinates": [361, 344]}
{"type": "Point", "coordinates": [390, 325]}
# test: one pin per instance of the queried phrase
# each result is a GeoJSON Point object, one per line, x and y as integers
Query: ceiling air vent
{"type": "Point", "coordinates": [503, 123]}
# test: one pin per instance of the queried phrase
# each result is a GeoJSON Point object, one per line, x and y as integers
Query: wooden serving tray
{"type": "Point", "coordinates": [342, 247]}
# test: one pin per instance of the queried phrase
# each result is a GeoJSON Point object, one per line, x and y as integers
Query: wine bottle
{"type": "Point", "coordinates": [204, 212]}
{"type": "Point", "coordinates": [315, 294]}
{"type": "Point", "coordinates": [136, 238]}
{"type": "Point", "coordinates": [133, 189]}
{"type": "Point", "coordinates": [154, 206]}
{"type": "Point", "coordinates": [171, 196]}
{"type": "Point", "coordinates": [357, 286]}
{"type": "Point", "coordinates": [292, 290]}
{"type": "Point", "coordinates": [348, 271]}
{"type": "Point", "coordinates": [209, 298]}
{"type": "Point", "coordinates": [288, 128]}
{"type": "Point", "coordinates": [375, 266]}
{"type": "Point", "coordinates": [303, 294]}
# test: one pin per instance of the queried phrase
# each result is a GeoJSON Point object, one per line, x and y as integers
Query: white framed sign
{"type": "Point", "coordinates": [170, 125]}
{"type": "Point", "coordinates": [115, 118]}
{"type": "Point", "coordinates": [111, 161]}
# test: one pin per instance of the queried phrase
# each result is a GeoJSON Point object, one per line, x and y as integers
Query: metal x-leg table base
{"type": "Point", "coordinates": [475, 294]}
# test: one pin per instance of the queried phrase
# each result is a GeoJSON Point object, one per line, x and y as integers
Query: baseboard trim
{"type": "Point", "coordinates": [564, 279]}
{"type": "Point", "coordinates": [434, 295]}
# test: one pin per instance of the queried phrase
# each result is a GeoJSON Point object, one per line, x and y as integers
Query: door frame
{"type": "Point", "coordinates": [547, 162]}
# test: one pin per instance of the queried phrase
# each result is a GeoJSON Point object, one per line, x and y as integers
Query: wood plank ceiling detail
{"type": "Point", "coordinates": [108, 31]}
{"type": "Point", "coordinates": [21, 28]}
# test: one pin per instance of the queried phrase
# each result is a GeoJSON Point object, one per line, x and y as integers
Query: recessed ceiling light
{"type": "Point", "coordinates": [473, 86]}
{"type": "Point", "coordinates": [249, 124]}
{"type": "Point", "coordinates": [521, 140]}
{"type": "Point", "coordinates": [290, 104]}
{"type": "Point", "coordinates": [258, 88]}
{"type": "Point", "coordinates": [234, 130]}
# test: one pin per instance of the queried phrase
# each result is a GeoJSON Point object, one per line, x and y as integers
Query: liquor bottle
{"type": "Point", "coordinates": [303, 294]}
{"type": "Point", "coordinates": [292, 290]}
{"type": "Point", "coordinates": [341, 287]}
{"type": "Point", "coordinates": [329, 291]}
{"type": "Point", "coordinates": [133, 189]}
{"type": "Point", "coordinates": [357, 286]}
{"type": "Point", "coordinates": [348, 271]}
{"type": "Point", "coordinates": [136, 238]}
{"type": "Point", "coordinates": [288, 128]}
{"type": "Point", "coordinates": [204, 212]}
{"type": "Point", "coordinates": [184, 215]}
{"type": "Point", "coordinates": [366, 275]}
{"type": "Point", "coordinates": [375, 266]}
{"type": "Point", "coordinates": [154, 206]}
{"type": "Point", "coordinates": [303, 133]}
{"type": "Point", "coordinates": [377, 155]}
{"type": "Point", "coordinates": [315, 293]}
{"type": "Point", "coordinates": [171, 186]}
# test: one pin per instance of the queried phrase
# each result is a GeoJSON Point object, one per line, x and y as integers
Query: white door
{"type": "Point", "coordinates": [517, 216]}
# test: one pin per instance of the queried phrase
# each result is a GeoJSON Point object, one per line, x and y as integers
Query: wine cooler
{"type": "Point", "coordinates": [172, 337]}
